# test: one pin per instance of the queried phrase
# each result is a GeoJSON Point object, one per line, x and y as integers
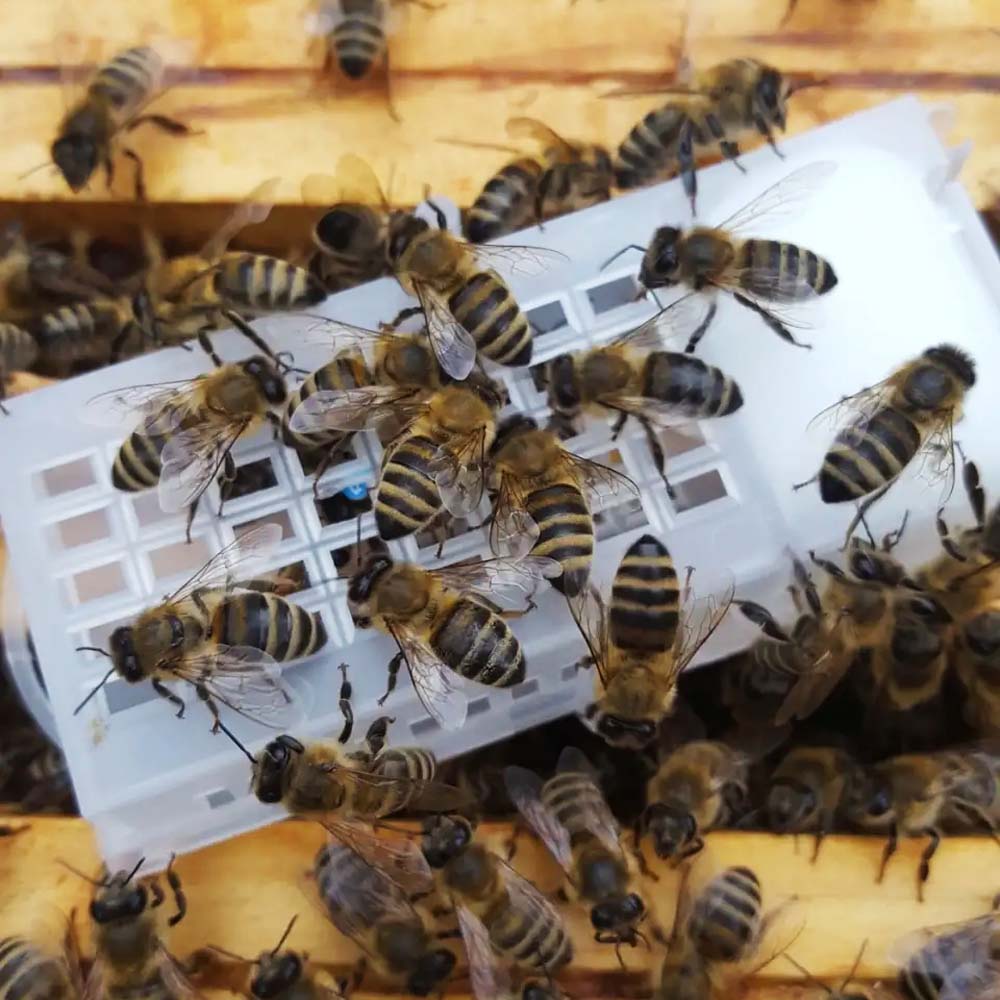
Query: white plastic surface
{"type": "Point", "coordinates": [913, 272]}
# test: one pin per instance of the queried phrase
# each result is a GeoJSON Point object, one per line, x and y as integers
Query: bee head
{"type": "Point", "coordinates": [271, 767]}
{"type": "Point", "coordinates": [563, 385]}
{"type": "Point", "coordinates": [123, 654]}
{"type": "Point", "coordinates": [445, 837]}
{"type": "Point", "coordinates": [433, 968]}
{"type": "Point", "coordinates": [619, 731]}
{"type": "Point", "coordinates": [359, 590]}
{"type": "Point", "coordinates": [76, 152]}
{"type": "Point", "coordinates": [660, 261]}
{"type": "Point", "coordinates": [275, 974]}
{"type": "Point", "coordinates": [956, 361]}
{"type": "Point", "coordinates": [928, 609]}
{"type": "Point", "coordinates": [343, 228]}
{"type": "Point", "coordinates": [874, 567]}
{"type": "Point", "coordinates": [263, 371]}
{"type": "Point", "coordinates": [618, 914]}
{"type": "Point", "coordinates": [403, 231]}
{"type": "Point", "coordinates": [510, 429]}
{"type": "Point", "coordinates": [119, 898]}
{"type": "Point", "coordinates": [789, 805]}
{"type": "Point", "coordinates": [770, 96]}
{"type": "Point", "coordinates": [670, 828]}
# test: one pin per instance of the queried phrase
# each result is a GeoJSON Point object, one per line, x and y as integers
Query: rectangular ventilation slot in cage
{"type": "Point", "coordinates": [524, 690]}
{"type": "Point", "coordinates": [180, 557]}
{"type": "Point", "coordinates": [569, 673]}
{"type": "Point", "coordinates": [220, 797]}
{"type": "Point", "coordinates": [280, 517]}
{"type": "Point", "coordinates": [423, 726]}
{"type": "Point", "coordinates": [84, 529]}
{"type": "Point", "coordinates": [316, 457]}
{"type": "Point", "coordinates": [680, 440]}
{"type": "Point", "coordinates": [698, 491]}
{"type": "Point", "coordinates": [539, 706]}
{"type": "Point", "coordinates": [58, 480]}
{"type": "Point", "coordinates": [339, 507]}
{"type": "Point", "coordinates": [478, 706]}
{"type": "Point", "coordinates": [547, 318]}
{"type": "Point", "coordinates": [121, 696]}
{"type": "Point", "coordinates": [620, 292]}
{"type": "Point", "coordinates": [94, 584]}
{"type": "Point", "coordinates": [620, 518]}
{"type": "Point", "coordinates": [250, 478]}
{"type": "Point", "coordinates": [148, 511]}
{"type": "Point", "coordinates": [349, 558]}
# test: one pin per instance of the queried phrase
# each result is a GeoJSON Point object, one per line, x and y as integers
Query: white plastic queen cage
{"type": "Point", "coordinates": [915, 269]}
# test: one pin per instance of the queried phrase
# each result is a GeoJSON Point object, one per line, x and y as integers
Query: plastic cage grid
{"type": "Point", "coordinates": [915, 267]}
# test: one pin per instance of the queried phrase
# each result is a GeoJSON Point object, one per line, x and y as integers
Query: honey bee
{"type": "Point", "coordinates": [522, 925]}
{"type": "Point", "coordinates": [977, 664]}
{"type": "Point", "coordinates": [507, 203]}
{"type": "Point", "coordinates": [640, 652]}
{"type": "Point", "coordinates": [188, 429]}
{"type": "Point", "coordinates": [913, 794]}
{"type": "Point", "coordinates": [697, 788]}
{"type": "Point", "coordinates": [571, 817]}
{"type": "Point", "coordinates": [542, 503]}
{"type": "Point", "coordinates": [18, 351]}
{"type": "Point", "coordinates": [806, 791]}
{"type": "Point", "coordinates": [205, 635]}
{"type": "Point", "coordinates": [369, 907]}
{"type": "Point", "coordinates": [128, 931]}
{"type": "Point", "coordinates": [112, 106]}
{"type": "Point", "coordinates": [762, 275]}
{"type": "Point", "coordinates": [632, 378]}
{"type": "Point", "coordinates": [288, 975]}
{"type": "Point", "coordinates": [445, 624]}
{"type": "Point", "coordinates": [727, 102]}
{"type": "Point", "coordinates": [30, 970]}
{"type": "Point", "coordinates": [913, 410]}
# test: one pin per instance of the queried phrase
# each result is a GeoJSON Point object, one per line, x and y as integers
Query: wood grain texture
{"type": "Point", "coordinates": [241, 894]}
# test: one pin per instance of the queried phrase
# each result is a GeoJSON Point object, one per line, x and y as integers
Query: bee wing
{"type": "Point", "coordinates": [503, 579]}
{"type": "Point", "coordinates": [770, 285]}
{"type": "Point", "coordinates": [247, 549]}
{"type": "Point", "coordinates": [357, 182]}
{"type": "Point", "coordinates": [527, 900]}
{"type": "Point", "coordinates": [694, 637]}
{"type": "Point", "coordinates": [960, 943]}
{"type": "Point", "coordinates": [856, 408]}
{"type": "Point", "coordinates": [191, 460]}
{"type": "Point", "coordinates": [524, 788]}
{"type": "Point", "coordinates": [489, 977]}
{"type": "Point", "coordinates": [513, 533]}
{"type": "Point", "coordinates": [938, 455]}
{"type": "Point", "coordinates": [165, 403]}
{"type": "Point", "coordinates": [522, 261]}
{"type": "Point", "coordinates": [349, 409]}
{"type": "Point", "coordinates": [521, 127]}
{"type": "Point", "coordinates": [452, 344]}
{"type": "Point", "coordinates": [676, 321]}
{"type": "Point", "coordinates": [591, 616]}
{"type": "Point", "coordinates": [251, 212]}
{"type": "Point", "coordinates": [434, 682]}
{"type": "Point", "coordinates": [601, 480]}
{"type": "Point", "coordinates": [421, 795]}
{"type": "Point", "coordinates": [397, 859]}
{"type": "Point", "coordinates": [657, 412]}
{"type": "Point", "coordinates": [600, 820]}
{"type": "Point", "coordinates": [175, 977]}
{"type": "Point", "coordinates": [245, 679]}
{"type": "Point", "coordinates": [784, 198]}
{"type": "Point", "coordinates": [813, 688]}
{"type": "Point", "coordinates": [460, 473]}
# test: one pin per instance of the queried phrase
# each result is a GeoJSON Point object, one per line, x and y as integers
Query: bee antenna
{"type": "Point", "coordinates": [76, 871]}
{"type": "Point", "coordinates": [810, 978]}
{"type": "Point", "coordinates": [93, 649]}
{"type": "Point", "coordinates": [35, 169]}
{"type": "Point", "coordinates": [131, 874]}
{"type": "Point", "coordinates": [284, 937]}
{"type": "Point", "coordinates": [104, 680]}
{"type": "Point", "coordinates": [228, 732]}
{"type": "Point", "coordinates": [625, 249]}
{"type": "Point", "coordinates": [229, 954]}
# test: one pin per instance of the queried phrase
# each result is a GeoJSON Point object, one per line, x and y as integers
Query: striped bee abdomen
{"type": "Point", "coordinates": [645, 598]}
{"type": "Point", "coordinates": [345, 372]}
{"type": "Point", "coordinates": [408, 498]}
{"type": "Point", "coordinates": [28, 973]}
{"type": "Point", "coordinates": [924, 975]}
{"type": "Point", "coordinates": [645, 152]}
{"type": "Point", "coordinates": [127, 78]}
{"type": "Point", "coordinates": [800, 272]}
{"type": "Point", "coordinates": [137, 463]}
{"type": "Point", "coordinates": [687, 382]}
{"type": "Point", "coordinates": [573, 799]}
{"type": "Point", "coordinates": [485, 307]}
{"type": "Point", "coordinates": [478, 644]}
{"type": "Point", "coordinates": [413, 763]}
{"type": "Point", "coordinates": [506, 203]}
{"type": "Point", "coordinates": [259, 282]}
{"type": "Point", "coordinates": [269, 623]}
{"type": "Point", "coordinates": [18, 349]}
{"type": "Point", "coordinates": [867, 455]}
{"type": "Point", "coordinates": [566, 533]}
{"type": "Point", "coordinates": [358, 41]}
{"type": "Point", "coordinates": [541, 943]}
{"type": "Point", "coordinates": [726, 916]}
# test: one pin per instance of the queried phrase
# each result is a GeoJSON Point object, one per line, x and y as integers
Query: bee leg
{"type": "Point", "coordinates": [888, 851]}
{"type": "Point", "coordinates": [765, 131]}
{"type": "Point", "coordinates": [771, 320]}
{"type": "Point", "coordinates": [685, 160]}
{"type": "Point", "coordinates": [405, 314]}
{"type": "Point", "coordinates": [375, 737]}
{"type": "Point", "coordinates": [863, 509]}
{"type": "Point", "coordinates": [206, 346]}
{"type": "Point", "coordinates": [226, 479]}
{"type": "Point", "coordinates": [140, 174]}
{"type": "Point", "coordinates": [805, 482]}
{"type": "Point", "coordinates": [439, 215]}
{"type": "Point", "coordinates": [156, 890]}
{"type": "Point", "coordinates": [163, 122]}
{"type": "Point", "coordinates": [825, 825]}
{"type": "Point", "coordinates": [731, 151]}
{"type": "Point", "coordinates": [174, 699]}
{"type": "Point", "coordinates": [924, 871]}
{"type": "Point", "coordinates": [701, 329]}
{"type": "Point", "coordinates": [947, 542]}
{"type": "Point", "coordinates": [251, 334]}
{"type": "Point", "coordinates": [180, 899]}
{"type": "Point", "coordinates": [659, 459]}
{"type": "Point", "coordinates": [394, 664]}
{"type": "Point", "coordinates": [344, 703]}
{"type": "Point", "coordinates": [192, 510]}
{"type": "Point", "coordinates": [358, 973]}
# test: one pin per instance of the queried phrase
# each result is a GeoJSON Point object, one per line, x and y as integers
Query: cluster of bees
{"type": "Point", "coordinates": [894, 635]}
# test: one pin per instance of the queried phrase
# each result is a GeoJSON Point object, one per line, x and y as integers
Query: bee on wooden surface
{"type": "Point", "coordinates": [571, 817]}
{"type": "Point", "coordinates": [18, 351]}
{"type": "Point", "coordinates": [914, 410]}
{"type": "Point", "coordinates": [726, 102]}
{"type": "Point", "coordinates": [697, 788]}
{"type": "Point", "coordinates": [113, 105]}
{"type": "Point", "coordinates": [632, 378]}
{"type": "Point", "coordinates": [507, 203]}
{"type": "Point", "coordinates": [542, 503]}
{"type": "Point", "coordinates": [33, 970]}
{"type": "Point", "coordinates": [205, 635]}
{"type": "Point", "coordinates": [959, 961]}
{"type": "Point", "coordinates": [188, 428]}
{"type": "Point", "coordinates": [368, 906]}
{"type": "Point", "coordinates": [762, 275]}
{"type": "Point", "coordinates": [289, 975]}
{"type": "Point", "coordinates": [807, 789]}
{"type": "Point", "coordinates": [522, 925]}
{"type": "Point", "coordinates": [641, 646]}
{"type": "Point", "coordinates": [912, 795]}
{"type": "Point", "coordinates": [977, 663]}
{"type": "Point", "coordinates": [446, 623]}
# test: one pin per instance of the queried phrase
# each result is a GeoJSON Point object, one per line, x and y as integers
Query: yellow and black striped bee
{"type": "Point", "coordinates": [570, 816]}
{"type": "Point", "coordinates": [726, 102]}
{"type": "Point", "coordinates": [18, 352]}
{"type": "Point", "coordinates": [370, 907]}
{"type": "Point", "coordinates": [542, 505]}
{"type": "Point", "coordinates": [977, 663]}
{"type": "Point", "coordinates": [33, 970]}
{"type": "Point", "coordinates": [762, 275]}
{"type": "Point", "coordinates": [114, 104]}
{"type": "Point", "coordinates": [912, 411]}
{"type": "Point", "coordinates": [521, 924]}
{"type": "Point", "coordinates": [640, 648]}
{"type": "Point", "coordinates": [658, 388]}
{"type": "Point", "coordinates": [507, 203]}
{"type": "Point", "coordinates": [225, 645]}
{"type": "Point", "coordinates": [445, 622]}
